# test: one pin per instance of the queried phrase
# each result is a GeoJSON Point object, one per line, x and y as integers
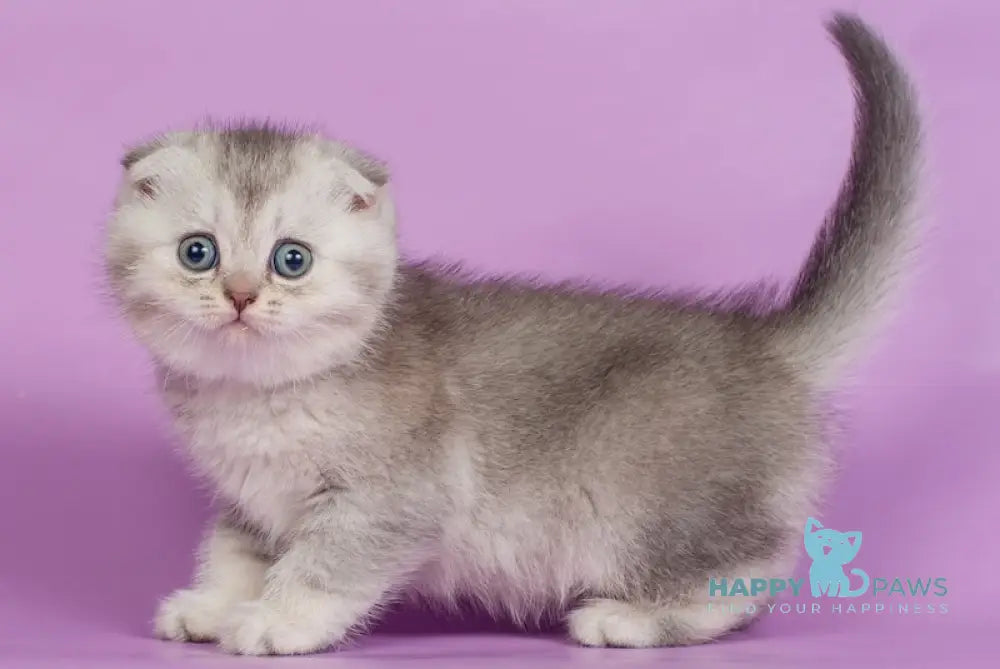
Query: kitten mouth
{"type": "Point", "coordinates": [238, 326]}
{"type": "Point", "coordinates": [827, 550]}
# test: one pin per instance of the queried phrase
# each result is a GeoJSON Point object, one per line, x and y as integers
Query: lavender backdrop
{"type": "Point", "coordinates": [652, 142]}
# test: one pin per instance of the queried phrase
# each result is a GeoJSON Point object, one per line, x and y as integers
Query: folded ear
{"type": "Point", "coordinates": [360, 202]}
{"type": "Point", "coordinates": [145, 149]}
{"type": "Point", "coordinates": [147, 186]}
{"type": "Point", "coordinates": [371, 168]}
{"type": "Point", "coordinates": [137, 153]}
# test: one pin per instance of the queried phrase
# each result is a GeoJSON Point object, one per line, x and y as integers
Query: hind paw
{"type": "Point", "coordinates": [610, 622]}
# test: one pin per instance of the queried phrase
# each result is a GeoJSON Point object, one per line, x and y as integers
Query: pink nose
{"type": "Point", "coordinates": [241, 291]}
{"type": "Point", "coordinates": [242, 299]}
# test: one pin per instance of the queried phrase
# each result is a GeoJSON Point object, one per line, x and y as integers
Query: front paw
{"type": "Point", "coordinates": [191, 615]}
{"type": "Point", "coordinates": [259, 628]}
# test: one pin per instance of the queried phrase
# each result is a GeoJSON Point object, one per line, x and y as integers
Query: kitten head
{"type": "Point", "coordinates": [827, 545]}
{"type": "Point", "coordinates": [253, 254]}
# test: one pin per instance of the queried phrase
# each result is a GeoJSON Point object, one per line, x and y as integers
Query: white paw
{"type": "Point", "coordinates": [606, 622]}
{"type": "Point", "coordinates": [258, 628]}
{"type": "Point", "coordinates": [191, 615]}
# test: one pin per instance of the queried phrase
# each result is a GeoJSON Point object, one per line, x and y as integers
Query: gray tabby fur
{"type": "Point", "coordinates": [381, 428]}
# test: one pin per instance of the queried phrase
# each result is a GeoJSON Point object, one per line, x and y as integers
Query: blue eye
{"type": "Point", "coordinates": [198, 253]}
{"type": "Point", "coordinates": [291, 260]}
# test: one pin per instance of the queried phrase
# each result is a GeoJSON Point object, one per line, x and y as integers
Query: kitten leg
{"type": "Point", "coordinates": [692, 618]}
{"type": "Point", "coordinates": [230, 571]}
{"type": "Point", "coordinates": [610, 622]}
{"type": "Point", "coordinates": [340, 566]}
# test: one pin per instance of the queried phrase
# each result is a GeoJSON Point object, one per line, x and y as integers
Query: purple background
{"type": "Point", "coordinates": [659, 143]}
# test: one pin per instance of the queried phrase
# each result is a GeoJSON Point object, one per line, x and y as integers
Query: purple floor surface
{"type": "Point", "coordinates": [634, 141]}
{"type": "Point", "coordinates": [53, 642]}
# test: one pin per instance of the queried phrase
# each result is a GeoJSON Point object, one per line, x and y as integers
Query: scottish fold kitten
{"type": "Point", "coordinates": [376, 428]}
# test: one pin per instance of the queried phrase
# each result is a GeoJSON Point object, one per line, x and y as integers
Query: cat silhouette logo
{"type": "Point", "coordinates": [830, 550]}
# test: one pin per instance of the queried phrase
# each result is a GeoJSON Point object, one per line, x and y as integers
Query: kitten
{"type": "Point", "coordinates": [376, 428]}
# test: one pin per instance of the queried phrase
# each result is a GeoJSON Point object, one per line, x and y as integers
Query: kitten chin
{"type": "Point", "coordinates": [385, 428]}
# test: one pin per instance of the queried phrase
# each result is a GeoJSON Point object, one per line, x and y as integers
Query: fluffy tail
{"type": "Point", "coordinates": [840, 293]}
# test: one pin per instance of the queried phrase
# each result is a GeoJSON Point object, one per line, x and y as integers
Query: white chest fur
{"type": "Point", "coordinates": [261, 451]}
